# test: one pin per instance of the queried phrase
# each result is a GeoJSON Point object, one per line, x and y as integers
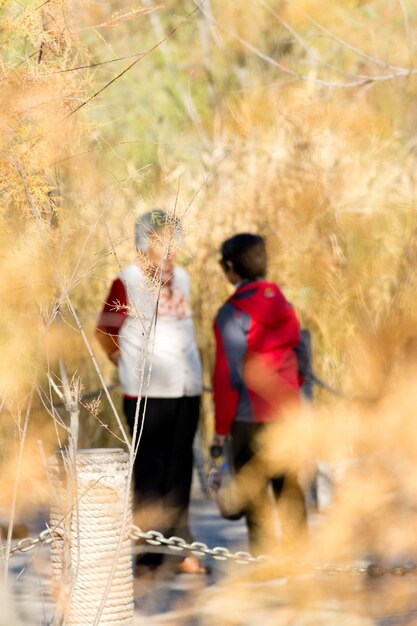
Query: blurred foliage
{"type": "Point", "coordinates": [296, 119]}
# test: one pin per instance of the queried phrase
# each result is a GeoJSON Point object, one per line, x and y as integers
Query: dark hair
{"type": "Point", "coordinates": [247, 254]}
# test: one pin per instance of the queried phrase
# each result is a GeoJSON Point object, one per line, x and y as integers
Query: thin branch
{"type": "Point", "coordinates": [298, 75]}
{"type": "Point", "coordinates": [50, 408]}
{"type": "Point", "coordinates": [117, 19]}
{"type": "Point", "coordinates": [44, 25]}
{"type": "Point", "coordinates": [56, 389]}
{"type": "Point", "coordinates": [16, 484]}
{"type": "Point", "coordinates": [129, 67]}
{"type": "Point", "coordinates": [407, 29]}
{"type": "Point", "coordinates": [401, 73]}
{"type": "Point", "coordinates": [25, 10]}
{"type": "Point", "coordinates": [23, 60]}
{"type": "Point", "coordinates": [336, 70]}
{"type": "Point", "coordinates": [314, 58]}
{"type": "Point", "coordinates": [346, 44]}
{"type": "Point", "coordinates": [265, 57]}
{"type": "Point", "coordinates": [70, 305]}
{"type": "Point", "coordinates": [184, 95]}
{"type": "Point", "coordinates": [97, 93]}
{"type": "Point", "coordinates": [71, 399]}
{"type": "Point", "coordinates": [360, 80]}
{"type": "Point", "coordinates": [72, 280]}
{"type": "Point", "coordinates": [290, 29]}
{"type": "Point", "coordinates": [91, 410]}
{"type": "Point", "coordinates": [93, 65]}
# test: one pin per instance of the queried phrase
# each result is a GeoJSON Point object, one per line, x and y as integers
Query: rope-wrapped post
{"type": "Point", "coordinates": [91, 551]}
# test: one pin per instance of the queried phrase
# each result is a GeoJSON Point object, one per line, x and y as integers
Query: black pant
{"type": "Point", "coordinates": [247, 458]}
{"type": "Point", "coordinates": [164, 463]}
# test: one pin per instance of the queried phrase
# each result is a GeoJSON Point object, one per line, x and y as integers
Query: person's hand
{"type": "Point", "coordinates": [114, 357]}
{"type": "Point", "coordinates": [218, 440]}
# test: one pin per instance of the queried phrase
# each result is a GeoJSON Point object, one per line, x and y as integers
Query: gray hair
{"type": "Point", "coordinates": [151, 222]}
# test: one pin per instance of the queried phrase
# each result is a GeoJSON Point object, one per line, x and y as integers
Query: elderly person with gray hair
{"type": "Point", "coordinates": [146, 329]}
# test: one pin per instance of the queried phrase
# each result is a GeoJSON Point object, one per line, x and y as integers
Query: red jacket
{"type": "Point", "coordinates": [255, 371]}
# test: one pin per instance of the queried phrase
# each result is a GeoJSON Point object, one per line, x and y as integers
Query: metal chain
{"type": "Point", "coordinates": [373, 570]}
{"type": "Point", "coordinates": [28, 543]}
{"type": "Point", "coordinates": [197, 548]}
{"type": "Point", "coordinates": [177, 544]}
{"type": "Point", "coordinates": [219, 553]}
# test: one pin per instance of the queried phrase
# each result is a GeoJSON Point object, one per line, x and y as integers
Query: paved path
{"type": "Point", "coordinates": [170, 600]}
{"type": "Point", "coordinates": [29, 575]}
{"type": "Point", "coordinates": [186, 600]}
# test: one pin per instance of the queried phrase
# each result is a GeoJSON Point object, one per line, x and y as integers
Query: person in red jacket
{"type": "Point", "coordinates": [256, 382]}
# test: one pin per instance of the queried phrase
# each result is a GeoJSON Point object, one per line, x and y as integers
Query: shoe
{"type": "Point", "coordinates": [192, 565]}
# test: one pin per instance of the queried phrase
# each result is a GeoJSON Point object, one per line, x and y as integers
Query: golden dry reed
{"type": "Point", "coordinates": [292, 119]}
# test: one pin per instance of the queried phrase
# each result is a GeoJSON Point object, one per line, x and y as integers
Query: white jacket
{"type": "Point", "coordinates": [158, 353]}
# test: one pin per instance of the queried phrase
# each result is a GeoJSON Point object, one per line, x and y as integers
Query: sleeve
{"type": "Point", "coordinates": [231, 346]}
{"type": "Point", "coordinates": [112, 316]}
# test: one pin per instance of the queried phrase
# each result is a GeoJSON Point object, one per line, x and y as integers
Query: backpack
{"type": "Point", "coordinates": [304, 363]}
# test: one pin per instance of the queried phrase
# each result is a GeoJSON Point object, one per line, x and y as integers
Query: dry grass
{"type": "Point", "coordinates": [327, 176]}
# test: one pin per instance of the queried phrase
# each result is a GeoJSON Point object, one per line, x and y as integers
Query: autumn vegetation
{"type": "Point", "coordinates": [295, 119]}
